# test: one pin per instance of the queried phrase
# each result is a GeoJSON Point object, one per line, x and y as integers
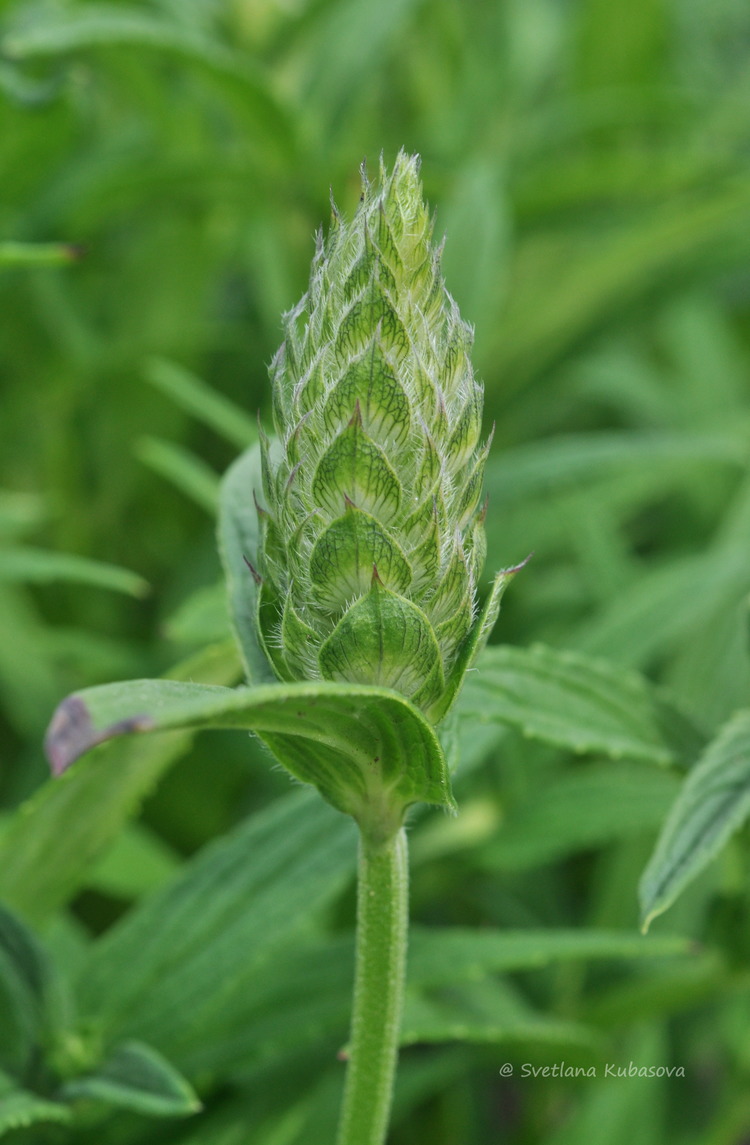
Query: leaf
{"type": "Point", "coordinates": [366, 749]}
{"type": "Point", "coordinates": [616, 1109]}
{"type": "Point", "coordinates": [714, 802]}
{"type": "Point", "coordinates": [209, 407]}
{"type": "Point", "coordinates": [37, 254]}
{"type": "Point", "coordinates": [24, 975]}
{"type": "Point", "coordinates": [490, 1012]}
{"type": "Point", "coordinates": [43, 861]}
{"type": "Point", "coordinates": [238, 544]}
{"type": "Point", "coordinates": [19, 512]}
{"type": "Point", "coordinates": [118, 25]}
{"type": "Point", "coordinates": [201, 618]}
{"type": "Point", "coordinates": [576, 703]}
{"type": "Point", "coordinates": [581, 459]}
{"type": "Point", "coordinates": [581, 809]}
{"type": "Point", "coordinates": [188, 473]}
{"type": "Point", "coordinates": [29, 684]}
{"type": "Point", "coordinates": [196, 947]}
{"type": "Point", "coordinates": [137, 862]}
{"type": "Point", "coordinates": [442, 956]}
{"type": "Point", "coordinates": [662, 606]}
{"type": "Point", "coordinates": [347, 44]}
{"type": "Point", "coordinates": [303, 999]}
{"type": "Point", "coordinates": [134, 1076]}
{"type": "Point", "coordinates": [40, 566]}
{"type": "Point", "coordinates": [19, 1108]}
{"type": "Point", "coordinates": [565, 291]}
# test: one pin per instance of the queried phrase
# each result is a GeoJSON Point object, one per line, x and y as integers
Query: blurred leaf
{"type": "Point", "coordinates": [345, 49]}
{"type": "Point", "coordinates": [665, 604]}
{"type": "Point", "coordinates": [42, 30]}
{"type": "Point", "coordinates": [182, 469]}
{"type": "Point", "coordinates": [557, 297]}
{"type": "Point", "coordinates": [135, 1076]}
{"type": "Point", "coordinates": [488, 1011]}
{"type": "Point", "coordinates": [584, 705]}
{"type": "Point", "coordinates": [201, 618]}
{"type": "Point", "coordinates": [36, 254]}
{"type": "Point", "coordinates": [713, 803]}
{"type": "Point", "coordinates": [622, 46]}
{"type": "Point", "coordinates": [29, 683]}
{"type": "Point", "coordinates": [20, 1109]}
{"type": "Point", "coordinates": [201, 402]}
{"type": "Point", "coordinates": [581, 809]}
{"type": "Point", "coordinates": [43, 861]}
{"type": "Point", "coordinates": [187, 951]}
{"type": "Point", "coordinates": [476, 217]}
{"type": "Point", "coordinates": [136, 863]}
{"type": "Point", "coordinates": [660, 992]}
{"type": "Point", "coordinates": [19, 512]}
{"type": "Point", "coordinates": [23, 985]}
{"type": "Point", "coordinates": [39, 566]}
{"type": "Point", "coordinates": [570, 459]}
{"type": "Point", "coordinates": [441, 956]}
{"type": "Point", "coordinates": [616, 1110]}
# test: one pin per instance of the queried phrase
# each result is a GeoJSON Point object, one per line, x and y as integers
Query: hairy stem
{"type": "Point", "coordinates": [382, 927]}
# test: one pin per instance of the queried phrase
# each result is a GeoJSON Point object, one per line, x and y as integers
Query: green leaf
{"type": "Point", "coordinates": [297, 1001]}
{"type": "Point", "coordinates": [569, 291]}
{"type": "Point", "coordinates": [576, 703]}
{"type": "Point", "coordinates": [134, 1076]}
{"type": "Point", "coordinates": [201, 618]}
{"type": "Point", "coordinates": [19, 512]}
{"type": "Point", "coordinates": [37, 254]}
{"type": "Point", "coordinates": [21, 948]}
{"type": "Point", "coordinates": [40, 566]}
{"type": "Point", "coordinates": [360, 33]}
{"type": "Point", "coordinates": [584, 808]}
{"type": "Point", "coordinates": [19, 1108]}
{"type": "Point", "coordinates": [368, 750]}
{"type": "Point", "coordinates": [303, 999]}
{"type": "Point", "coordinates": [24, 976]}
{"type": "Point", "coordinates": [137, 862]}
{"type": "Point", "coordinates": [239, 536]}
{"type": "Point", "coordinates": [714, 802]}
{"type": "Point", "coordinates": [59, 32]}
{"type": "Point", "coordinates": [43, 861]}
{"type": "Point", "coordinates": [536, 469]}
{"type": "Point", "coordinates": [617, 1110]}
{"type": "Point", "coordinates": [182, 469]}
{"type": "Point", "coordinates": [194, 950]}
{"type": "Point", "coordinates": [661, 608]}
{"type": "Point", "coordinates": [490, 1012]}
{"type": "Point", "coordinates": [441, 956]}
{"type": "Point", "coordinates": [202, 402]}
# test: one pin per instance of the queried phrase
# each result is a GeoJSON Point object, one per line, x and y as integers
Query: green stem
{"type": "Point", "coordinates": [382, 927]}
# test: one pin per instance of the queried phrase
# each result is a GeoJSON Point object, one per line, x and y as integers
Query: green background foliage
{"type": "Point", "coordinates": [191, 917]}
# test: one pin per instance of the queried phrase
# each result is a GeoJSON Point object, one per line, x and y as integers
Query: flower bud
{"type": "Point", "coordinates": [372, 534]}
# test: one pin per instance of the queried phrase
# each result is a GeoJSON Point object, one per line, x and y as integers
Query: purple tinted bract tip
{"type": "Point", "coordinates": [71, 733]}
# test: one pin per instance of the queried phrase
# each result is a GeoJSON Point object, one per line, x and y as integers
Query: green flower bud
{"type": "Point", "coordinates": [372, 535]}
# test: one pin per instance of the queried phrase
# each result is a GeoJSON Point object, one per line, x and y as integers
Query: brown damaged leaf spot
{"type": "Point", "coordinates": [71, 733]}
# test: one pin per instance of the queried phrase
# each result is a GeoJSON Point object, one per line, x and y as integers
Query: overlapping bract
{"type": "Point", "coordinates": [372, 530]}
